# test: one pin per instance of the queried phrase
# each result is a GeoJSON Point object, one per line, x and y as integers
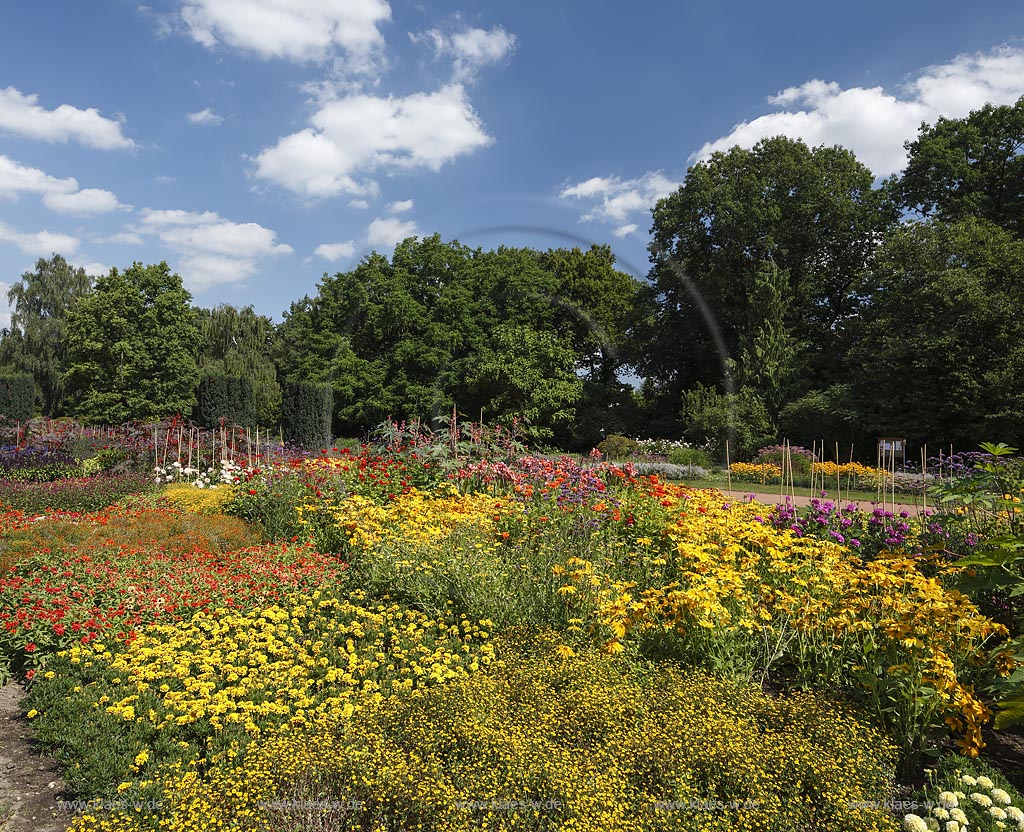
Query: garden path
{"type": "Point", "coordinates": [31, 790]}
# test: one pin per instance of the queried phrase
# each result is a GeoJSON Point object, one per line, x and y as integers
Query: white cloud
{"type": "Point", "coordinates": [212, 250]}
{"type": "Point", "coordinates": [16, 178]}
{"type": "Point", "coordinates": [618, 200]}
{"type": "Point", "coordinates": [625, 230]}
{"type": "Point", "coordinates": [39, 243]}
{"type": "Point", "coordinates": [296, 30]}
{"type": "Point", "coordinates": [163, 179]}
{"type": "Point", "coordinates": [873, 122]}
{"type": "Point", "coordinates": [87, 202]}
{"type": "Point", "coordinates": [471, 49]}
{"type": "Point", "coordinates": [386, 232]}
{"type": "Point", "coordinates": [60, 195]}
{"type": "Point", "coordinates": [205, 116]}
{"type": "Point", "coordinates": [125, 238]}
{"type": "Point", "coordinates": [94, 269]}
{"type": "Point", "coordinates": [22, 115]}
{"type": "Point", "coordinates": [360, 134]}
{"type": "Point", "coordinates": [336, 251]}
{"type": "Point", "coordinates": [359, 203]}
{"type": "Point", "coordinates": [400, 207]}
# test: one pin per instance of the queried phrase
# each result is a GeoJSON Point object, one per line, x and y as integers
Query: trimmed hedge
{"type": "Point", "coordinates": [17, 396]}
{"type": "Point", "coordinates": [231, 398]}
{"type": "Point", "coordinates": [306, 413]}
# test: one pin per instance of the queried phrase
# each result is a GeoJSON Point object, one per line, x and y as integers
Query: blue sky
{"type": "Point", "coordinates": [257, 144]}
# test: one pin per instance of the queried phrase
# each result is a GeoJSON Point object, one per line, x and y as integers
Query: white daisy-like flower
{"type": "Point", "coordinates": [985, 782]}
{"type": "Point", "coordinates": [970, 781]}
{"type": "Point", "coordinates": [999, 796]}
{"type": "Point", "coordinates": [952, 826]}
{"type": "Point", "coordinates": [1015, 814]}
{"type": "Point", "coordinates": [940, 813]}
{"type": "Point", "coordinates": [913, 823]}
{"type": "Point", "coordinates": [958, 815]}
{"type": "Point", "coordinates": [948, 800]}
{"type": "Point", "coordinates": [997, 813]}
{"type": "Point", "coordinates": [959, 794]}
{"type": "Point", "coordinates": [982, 800]}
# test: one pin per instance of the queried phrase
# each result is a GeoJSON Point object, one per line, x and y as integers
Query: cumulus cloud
{"type": "Point", "coordinates": [212, 250]}
{"type": "Point", "coordinates": [361, 134]}
{"type": "Point", "coordinates": [5, 310]}
{"type": "Point", "coordinates": [60, 195]}
{"type": "Point", "coordinates": [23, 115]}
{"type": "Point", "coordinates": [336, 251]}
{"type": "Point", "coordinates": [294, 30]}
{"type": "Point", "coordinates": [400, 207]}
{"type": "Point", "coordinates": [84, 203]}
{"type": "Point", "coordinates": [205, 116]}
{"type": "Point", "coordinates": [94, 269]}
{"type": "Point", "coordinates": [39, 243]}
{"type": "Point", "coordinates": [471, 50]}
{"type": "Point", "coordinates": [618, 200]}
{"type": "Point", "coordinates": [873, 122]}
{"type": "Point", "coordinates": [124, 238]}
{"type": "Point", "coordinates": [387, 232]}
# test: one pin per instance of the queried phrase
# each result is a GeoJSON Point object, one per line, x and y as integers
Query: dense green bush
{"type": "Point", "coordinates": [231, 398]}
{"type": "Point", "coordinates": [619, 447]}
{"type": "Point", "coordinates": [306, 413]}
{"type": "Point", "coordinates": [690, 456]}
{"type": "Point", "coordinates": [17, 396]}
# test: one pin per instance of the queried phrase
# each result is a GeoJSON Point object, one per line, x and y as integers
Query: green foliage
{"type": "Point", "coordinates": [939, 352]}
{"type": "Point", "coordinates": [690, 456]}
{"type": "Point", "coordinates": [75, 495]}
{"type": "Point", "coordinates": [619, 447]}
{"type": "Point", "coordinates": [131, 348]}
{"type": "Point", "coordinates": [827, 415]}
{"type": "Point", "coordinates": [238, 342]}
{"type": "Point", "coordinates": [306, 414]}
{"type": "Point", "coordinates": [35, 344]}
{"type": "Point", "coordinates": [970, 167]}
{"type": "Point", "coordinates": [228, 398]}
{"type": "Point", "coordinates": [791, 228]}
{"type": "Point", "coordinates": [17, 396]}
{"type": "Point", "coordinates": [711, 418]}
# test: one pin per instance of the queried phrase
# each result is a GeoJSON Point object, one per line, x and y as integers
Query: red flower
{"type": "Point", "coordinates": [30, 647]}
{"type": "Point", "coordinates": [59, 629]}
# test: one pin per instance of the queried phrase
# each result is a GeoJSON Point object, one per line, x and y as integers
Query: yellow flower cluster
{"type": "Point", "coordinates": [743, 594]}
{"type": "Point", "coordinates": [582, 745]}
{"type": "Point", "coordinates": [761, 472]}
{"type": "Point", "coordinates": [417, 518]}
{"type": "Point", "coordinates": [199, 500]}
{"type": "Point", "coordinates": [850, 469]}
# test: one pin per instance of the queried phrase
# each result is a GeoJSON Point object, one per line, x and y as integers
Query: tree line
{"type": "Point", "coordinates": [789, 294]}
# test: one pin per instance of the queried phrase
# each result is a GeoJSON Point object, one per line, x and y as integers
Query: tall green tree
{"type": "Point", "coordinates": [237, 342]}
{"type": "Point", "coordinates": [939, 355]}
{"type": "Point", "coordinates": [131, 347]}
{"type": "Point", "coordinates": [968, 167]}
{"type": "Point", "coordinates": [40, 304]}
{"type": "Point", "coordinates": [812, 213]}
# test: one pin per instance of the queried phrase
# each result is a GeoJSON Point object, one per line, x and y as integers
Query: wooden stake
{"type": "Point", "coordinates": [727, 468]}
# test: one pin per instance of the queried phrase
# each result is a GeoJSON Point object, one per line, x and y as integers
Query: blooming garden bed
{"type": "Point", "coordinates": [379, 641]}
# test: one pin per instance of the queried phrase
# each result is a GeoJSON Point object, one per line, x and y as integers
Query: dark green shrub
{"type": "Point", "coordinates": [306, 413]}
{"type": "Point", "coordinates": [690, 456]}
{"type": "Point", "coordinates": [17, 396]}
{"type": "Point", "coordinates": [223, 397]}
{"type": "Point", "coordinates": [619, 447]}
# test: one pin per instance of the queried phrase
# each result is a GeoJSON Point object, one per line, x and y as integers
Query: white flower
{"type": "Point", "coordinates": [958, 815]}
{"type": "Point", "coordinates": [952, 826]}
{"type": "Point", "coordinates": [997, 813]}
{"type": "Point", "coordinates": [999, 796]}
{"type": "Point", "coordinates": [1015, 814]}
{"type": "Point", "coordinates": [912, 823]}
{"type": "Point", "coordinates": [982, 800]}
{"type": "Point", "coordinates": [985, 782]}
{"type": "Point", "coordinates": [960, 795]}
{"type": "Point", "coordinates": [970, 781]}
{"type": "Point", "coordinates": [940, 813]}
{"type": "Point", "coordinates": [948, 800]}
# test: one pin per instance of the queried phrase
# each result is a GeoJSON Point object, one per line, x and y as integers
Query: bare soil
{"type": "Point", "coordinates": [31, 790]}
